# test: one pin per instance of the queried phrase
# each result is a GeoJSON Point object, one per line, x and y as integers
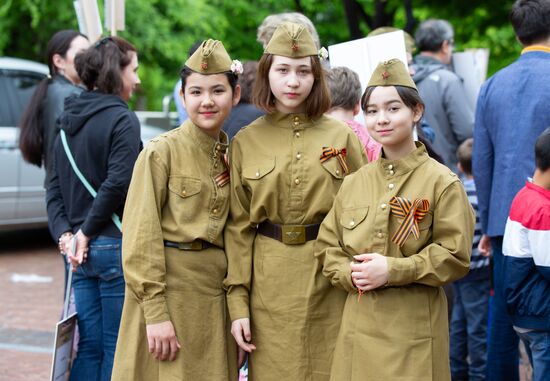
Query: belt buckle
{"type": "Point", "coordinates": [293, 234]}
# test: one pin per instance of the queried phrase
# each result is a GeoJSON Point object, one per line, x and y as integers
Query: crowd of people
{"type": "Point", "coordinates": [274, 233]}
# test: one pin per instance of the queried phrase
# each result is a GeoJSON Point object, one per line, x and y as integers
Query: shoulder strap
{"type": "Point", "coordinates": [114, 217]}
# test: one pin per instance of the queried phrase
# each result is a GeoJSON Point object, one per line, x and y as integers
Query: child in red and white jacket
{"type": "Point", "coordinates": [526, 249]}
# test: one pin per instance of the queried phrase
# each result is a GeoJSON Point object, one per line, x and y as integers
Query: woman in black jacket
{"type": "Point", "coordinates": [103, 136]}
{"type": "Point", "coordinates": [38, 123]}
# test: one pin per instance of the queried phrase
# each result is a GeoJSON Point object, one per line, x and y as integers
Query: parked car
{"type": "Point", "coordinates": [22, 195]}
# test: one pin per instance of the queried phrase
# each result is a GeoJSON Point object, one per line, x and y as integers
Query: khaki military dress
{"type": "Point", "coordinates": [400, 331]}
{"type": "Point", "coordinates": [173, 196]}
{"type": "Point", "coordinates": [277, 175]}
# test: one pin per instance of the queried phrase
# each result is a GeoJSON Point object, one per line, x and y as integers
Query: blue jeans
{"type": "Point", "coordinates": [503, 352]}
{"type": "Point", "coordinates": [537, 344]}
{"type": "Point", "coordinates": [469, 330]}
{"type": "Point", "coordinates": [99, 295]}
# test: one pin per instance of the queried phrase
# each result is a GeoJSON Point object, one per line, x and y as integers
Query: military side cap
{"type": "Point", "coordinates": [291, 40]}
{"type": "Point", "coordinates": [409, 41]}
{"type": "Point", "coordinates": [391, 73]}
{"type": "Point", "coordinates": [210, 58]}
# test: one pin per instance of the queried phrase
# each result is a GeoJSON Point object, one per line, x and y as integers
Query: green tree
{"type": "Point", "coordinates": [164, 30]}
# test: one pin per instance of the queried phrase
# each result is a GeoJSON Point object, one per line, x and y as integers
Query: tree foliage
{"type": "Point", "coordinates": [164, 30]}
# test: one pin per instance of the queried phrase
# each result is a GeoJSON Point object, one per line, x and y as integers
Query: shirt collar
{"type": "Point", "coordinates": [538, 189]}
{"type": "Point", "coordinates": [536, 48]}
{"type": "Point", "coordinates": [289, 120]}
{"type": "Point", "coordinates": [406, 164]}
{"type": "Point", "coordinates": [206, 142]}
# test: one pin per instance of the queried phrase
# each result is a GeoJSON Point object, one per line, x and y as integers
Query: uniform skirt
{"type": "Point", "coordinates": [295, 313]}
{"type": "Point", "coordinates": [197, 307]}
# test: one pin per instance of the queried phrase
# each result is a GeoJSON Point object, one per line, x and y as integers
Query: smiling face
{"type": "Point", "coordinates": [290, 80]}
{"type": "Point", "coordinates": [208, 100]}
{"type": "Point", "coordinates": [390, 122]}
{"type": "Point", "coordinates": [130, 78]}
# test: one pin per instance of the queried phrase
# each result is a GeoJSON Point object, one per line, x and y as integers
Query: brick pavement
{"type": "Point", "coordinates": [28, 311]}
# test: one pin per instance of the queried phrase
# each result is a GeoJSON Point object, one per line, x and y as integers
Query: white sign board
{"type": "Point", "coordinates": [363, 55]}
{"type": "Point", "coordinates": [471, 66]}
{"type": "Point", "coordinates": [89, 22]}
{"type": "Point", "coordinates": [116, 8]}
{"type": "Point", "coordinates": [63, 348]}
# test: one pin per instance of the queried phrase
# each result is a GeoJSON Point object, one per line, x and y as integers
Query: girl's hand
{"type": "Point", "coordinates": [371, 273]}
{"type": "Point", "coordinates": [240, 329]}
{"type": "Point", "coordinates": [64, 242]}
{"type": "Point", "coordinates": [163, 343]}
{"type": "Point", "coordinates": [80, 253]}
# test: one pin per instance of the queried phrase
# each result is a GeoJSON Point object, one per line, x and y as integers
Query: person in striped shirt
{"type": "Point", "coordinates": [468, 336]}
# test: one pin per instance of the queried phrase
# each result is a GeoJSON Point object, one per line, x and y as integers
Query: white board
{"type": "Point", "coordinates": [471, 66]}
{"type": "Point", "coordinates": [89, 22]}
{"type": "Point", "coordinates": [364, 54]}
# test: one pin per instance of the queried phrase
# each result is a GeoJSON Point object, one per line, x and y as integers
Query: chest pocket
{"type": "Point", "coordinates": [413, 245]}
{"type": "Point", "coordinates": [333, 167]}
{"type": "Point", "coordinates": [355, 229]}
{"type": "Point", "coordinates": [258, 170]}
{"type": "Point", "coordinates": [184, 186]}
{"type": "Point", "coordinates": [351, 218]}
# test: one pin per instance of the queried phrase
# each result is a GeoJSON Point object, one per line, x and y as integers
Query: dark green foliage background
{"type": "Point", "coordinates": [163, 30]}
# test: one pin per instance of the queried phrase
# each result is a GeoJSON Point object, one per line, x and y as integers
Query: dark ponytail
{"type": "Point", "coordinates": [31, 136]}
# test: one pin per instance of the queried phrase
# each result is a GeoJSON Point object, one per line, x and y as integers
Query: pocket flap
{"type": "Point", "coordinates": [333, 167]}
{"type": "Point", "coordinates": [184, 186]}
{"type": "Point", "coordinates": [350, 218]}
{"type": "Point", "coordinates": [258, 170]}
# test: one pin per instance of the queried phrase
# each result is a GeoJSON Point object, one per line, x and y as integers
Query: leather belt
{"type": "Point", "coordinates": [289, 234]}
{"type": "Point", "coordinates": [196, 245]}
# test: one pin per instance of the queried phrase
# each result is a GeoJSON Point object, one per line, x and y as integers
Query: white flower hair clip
{"type": "Point", "coordinates": [323, 54]}
{"type": "Point", "coordinates": [237, 67]}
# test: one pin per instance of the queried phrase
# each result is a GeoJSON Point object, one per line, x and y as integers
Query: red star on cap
{"type": "Point", "coordinates": [204, 66]}
{"type": "Point", "coordinates": [385, 75]}
{"type": "Point", "coordinates": [295, 47]}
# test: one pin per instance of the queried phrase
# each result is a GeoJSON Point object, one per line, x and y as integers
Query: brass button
{"type": "Point", "coordinates": [379, 234]}
{"type": "Point", "coordinates": [296, 119]}
{"type": "Point", "coordinates": [390, 166]}
{"type": "Point", "coordinates": [391, 172]}
{"type": "Point", "coordinates": [297, 134]}
{"type": "Point", "coordinates": [297, 181]}
{"type": "Point", "coordinates": [296, 123]}
{"type": "Point", "coordinates": [216, 165]}
{"type": "Point", "coordinates": [298, 156]}
{"type": "Point", "coordinates": [351, 223]}
{"type": "Point", "coordinates": [391, 186]}
{"type": "Point", "coordinates": [258, 174]}
{"type": "Point", "coordinates": [383, 206]}
{"type": "Point", "coordinates": [184, 192]}
{"type": "Point", "coordinates": [337, 171]}
{"type": "Point", "coordinates": [214, 210]}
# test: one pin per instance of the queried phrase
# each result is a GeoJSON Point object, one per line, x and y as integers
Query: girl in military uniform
{"type": "Point", "coordinates": [174, 320]}
{"type": "Point", "coordinates": [286, 168]}
{"type": "Point", "coordinates": [400, 228]}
